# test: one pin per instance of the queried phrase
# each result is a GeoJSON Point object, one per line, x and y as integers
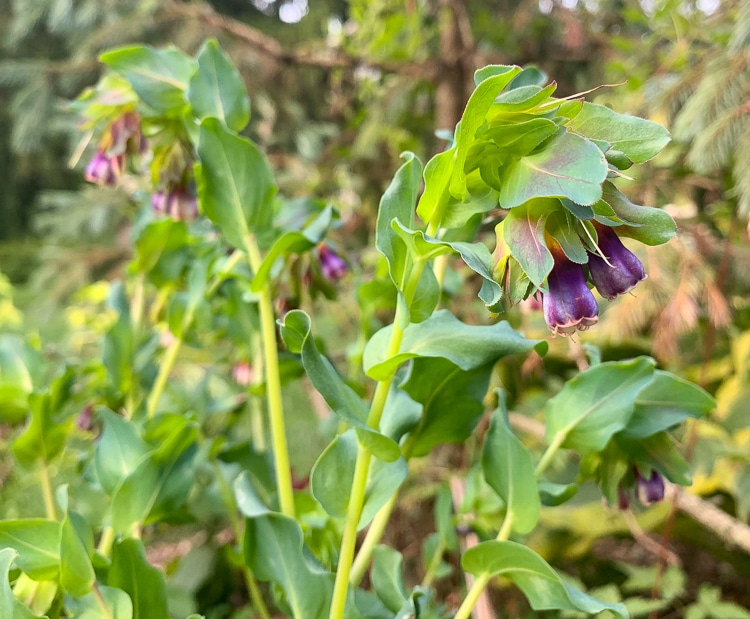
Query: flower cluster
{"type": "Point", "coordinates": [569, 305]}
{"type": "Point", "coordinates": [122, 138]}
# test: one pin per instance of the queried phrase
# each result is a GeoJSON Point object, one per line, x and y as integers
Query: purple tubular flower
{"type": "Point", "coordinates": [332, 265]}
{"type": "Point", "coordinates": [624, 270]}
{"type": "Point", "coordinates": [569, 305]}
{"type": "Point", "coordinates": [103, 170]}
{"type": "Point", "coordinates": [649, 490]}
{"type": "Point", "coordinates": [178, 203]}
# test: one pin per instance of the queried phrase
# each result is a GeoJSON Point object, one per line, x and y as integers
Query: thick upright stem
{"type": "Point", "coordinates": [273, 386]}
{"type": "Point", "coordinates": [165, 369]}
{"type": "Point", "coordinates": [359, 486]}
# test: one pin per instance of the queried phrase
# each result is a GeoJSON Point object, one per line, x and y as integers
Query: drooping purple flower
{"type": "Point", "coordinates": [159, 202]}
{"type": "Point", "coordinates": [624, 270]}
{"type": "Point", "coordinates": [332, 265]}
{"type": "Point", "coordinates": [569, 305]}
{"type": "Point", "coordinates": [103, 170]}
{"type": "Point", "coordinates": [179, 203]}
{"type": "Point", "coordinates": [649, 490]}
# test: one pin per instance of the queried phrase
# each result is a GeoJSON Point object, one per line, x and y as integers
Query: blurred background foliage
{"type": "Point", "coordinates": [339, 89]}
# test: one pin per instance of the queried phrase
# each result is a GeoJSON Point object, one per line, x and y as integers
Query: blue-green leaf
{"type": "Point", "coordinates": [639, 139]}
{"type": "Point", "coordinates": [664, 402]}
{"type": "Point", "coordinates": [397, 204]}
{"type": "Point", "coordinates": [597, 403]}
{"type": "Point", "coordinates": [509, 470]}
{"type": "Point", "coordinates": [296, 332]}
{"type": "Point", "coordinates": [159, 77]}
{"type": "Point", "coordinates": [37, 544]}
{"type": "Point", "coordinates": [387, 577]}
{"type": "Point", "coordinates": [217, 90]}
{"type": "Point", "coordinates": [10, 607]}
{"type": "Point", "coordinates": [235, 184]}
{"type": "Point", "coordinates": [568, 166]}
{"type": "Point", "coordinates": [274, 550]}
{"type": "Point", "coordinates": [474, 115]}
{"type": "Point", "coordinates": [131, 572]}
{"type": "Point", "coordinates": [443, 335]}
{"type": "Point", "coordinates": [541, 585]}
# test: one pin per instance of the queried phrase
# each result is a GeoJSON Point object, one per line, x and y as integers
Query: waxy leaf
{"type": "Point", "coordinates": [659, 452]}
{"type": "Point", "coordinates": [564, 228]}
{"type": "Point", "coordinates": [397, 204]}
{"type": "Point", "coordinates": [131, 572]}
{"type": "Point", "coordinates": [639, 139]}
{"type": "Point", "coordinates": [37, 542]}
{"type": "Point", "coordinates": [217, 90]}
{"type": "Point", "coordinates": [387, 577]}
{"type": "Point", "coordinates": [552, 494]}
{"type": "Point", "coordinates": [296, 332]}
{"type": "Point", "coordinates": [542, 586]}
{"type": "Point", "coordinates": [653, 226]}
{"type": "Point", "coordinates": [475, 255]}
{"type": "Point", "coordinates": [159, 77]}
{"type": "Point", "coordinates": [474, 116]}
{"type": "Point", "coordinates": [443, 388]}
{"type": "Point", "coordinates": [333, 473]}
{"type": "Point", "coordinates": [569, 166]}
{"type": "Point", "coordinates": [523, 232]}
{"type": "Point", "coordinates": [519, 139]}
{"type": "Point", "coordinates": [76, 572]}
{"type": "Point", "coordinates": [87, 607]}
{"type": "Point", "coordinates": [437, 177]}
{"type": "Point", "coordinates": [443, 335]}
{"type": "Point", "coordinates": [45, 435]}
{"type": "Point", "coordinates": [666, 401]}
{"type": "Point", "coordinates": [597, 403]}
{"type": "Point", "coordinates": [10, 607]}
{"type": "Point", "coordinates": [235, 184]}
{"type": "Point", "coordinates": [119, 451]}
{"type": "Point", "coordinates": [332, 476]}
{"type": "Point", "coordinates": [274, 550]}
{"type": "Point", "coordinates": [509, 470]}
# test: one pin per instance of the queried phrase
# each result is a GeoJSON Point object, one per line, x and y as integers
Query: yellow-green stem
{"type": "Point", "coordinates": [49, 499]}
{"type": "Point", "coordinates": [472, 597]}
{"type": "Point", "coordinates": [165, 368]}
{"type": "Point", "coordinates": [273, 386]}
{"type": "Point", "coordinates": [550, 452]}
{"type": "Point", "coordinates": [359, 485]}
{"type": "Point", "coordinates": [372, 539]}
{"type": "Point", "coordinates": [432, 568]}
{"type": "Point", "coordinates": [481, 582]}
{"type": "Point", "coordinates": [250, 582]}
{"type": "Point", "coordinates": [106, 540]}
{"type": "Point", "coordinates": [170, 356]}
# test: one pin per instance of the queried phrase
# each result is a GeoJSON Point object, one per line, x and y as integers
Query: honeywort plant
{"type": "Point", "coordinates": [122, 446]}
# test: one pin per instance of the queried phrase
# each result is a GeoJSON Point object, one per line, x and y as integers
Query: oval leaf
{"type": "Point", "coordinates": [541, 585]}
